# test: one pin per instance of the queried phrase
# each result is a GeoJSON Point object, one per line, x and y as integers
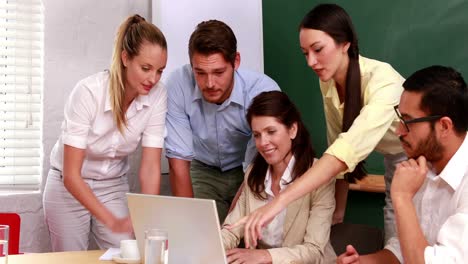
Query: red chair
{"type": "Point", "coordinates": [14, 221]}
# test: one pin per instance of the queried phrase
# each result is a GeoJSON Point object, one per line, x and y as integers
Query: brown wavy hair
{"type": "Point", "coordinates": [211, 37]}
{"type": "Point", "coordinates": [278, 105]}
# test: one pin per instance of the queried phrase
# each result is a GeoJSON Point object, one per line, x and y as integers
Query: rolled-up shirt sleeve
{"type": "Point", "coordinates": [79, 113]}
{"type": "Point", "coordinates": [178, 142]}
{"type": "Point", "coordinates": [370, 126]}
{"type": "Point", "coordinates": [153, 135]}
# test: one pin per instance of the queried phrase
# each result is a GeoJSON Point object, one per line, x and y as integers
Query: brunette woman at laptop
{"type": "Point", "coordinates": [301, 231]}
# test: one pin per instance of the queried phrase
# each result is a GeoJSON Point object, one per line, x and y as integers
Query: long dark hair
{"type": "Point", "coordinates": [278, 105]}
{"type": "Point", "coordinates": [333, 20]}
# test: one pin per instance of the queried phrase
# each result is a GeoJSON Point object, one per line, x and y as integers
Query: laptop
{"type": "Point", "coordinates": [192, 226]}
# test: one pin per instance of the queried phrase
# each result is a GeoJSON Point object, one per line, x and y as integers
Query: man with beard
{"type": "Point", "coordinates": [430, 190]}
{"type": "Point", "coordinates": [208, 137]}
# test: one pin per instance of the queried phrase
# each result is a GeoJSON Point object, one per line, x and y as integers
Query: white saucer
{"type": "Point", "coordinates": [119, 259]}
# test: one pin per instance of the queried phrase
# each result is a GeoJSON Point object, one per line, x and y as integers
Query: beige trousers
{"type": "Point", "coordinates": [71, 225]}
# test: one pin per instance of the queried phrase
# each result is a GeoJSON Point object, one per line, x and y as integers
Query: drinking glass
{"type": "Point", "coordinates": [156, 247]}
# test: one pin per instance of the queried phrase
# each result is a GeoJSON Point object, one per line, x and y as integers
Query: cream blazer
{"type": "Point", "coordinates": [306, 237]}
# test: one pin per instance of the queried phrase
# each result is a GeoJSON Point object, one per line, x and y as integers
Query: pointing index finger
{"type": "Point", "coordinates": [239, 223]}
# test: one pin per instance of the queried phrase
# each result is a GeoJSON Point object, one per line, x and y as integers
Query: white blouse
{"type": "Point", "coordinates": [89, 125]}
{"type": "Point", "coordinates": [272, 234]}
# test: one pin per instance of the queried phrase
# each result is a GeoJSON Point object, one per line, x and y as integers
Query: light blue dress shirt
{"type": "Point", "coordinates": [217, 135]}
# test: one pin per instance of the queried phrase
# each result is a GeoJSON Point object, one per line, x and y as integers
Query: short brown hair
{"type": "Point", "coordinates": [211, 37]}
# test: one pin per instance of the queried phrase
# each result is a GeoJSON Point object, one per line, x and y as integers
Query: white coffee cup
{"type": "Point", "coordinates": [129, 249]}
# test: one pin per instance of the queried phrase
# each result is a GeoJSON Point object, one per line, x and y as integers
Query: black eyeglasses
{"type": "Point", "coordinates": [415, 120]}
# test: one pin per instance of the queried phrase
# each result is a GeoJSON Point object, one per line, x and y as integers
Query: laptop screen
{"type": "Point", "coordinates": [192, 225]}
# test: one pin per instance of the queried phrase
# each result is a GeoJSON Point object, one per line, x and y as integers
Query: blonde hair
{"type": "Point", "coordinates": [130, 36]}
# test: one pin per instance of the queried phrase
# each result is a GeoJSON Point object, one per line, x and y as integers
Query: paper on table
{"type": "Point", "coordinates": [110, 253]}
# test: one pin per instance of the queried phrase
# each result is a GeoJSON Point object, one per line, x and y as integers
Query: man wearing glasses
{"type": "Point", "coordinates": [430, 190]}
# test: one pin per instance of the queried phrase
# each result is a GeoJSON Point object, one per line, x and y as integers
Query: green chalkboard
{"type": "Point", "coordinates": [408, 34]}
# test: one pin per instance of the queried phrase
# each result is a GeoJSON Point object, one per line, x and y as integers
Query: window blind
{"type": "Point", "coordinates": [21, 82]}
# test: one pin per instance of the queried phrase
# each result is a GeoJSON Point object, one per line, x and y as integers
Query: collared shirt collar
{"type": "Point", "coordinates": [457, 166]}
{"type": "Point", "coordinates": [285, 179]}
{"type": "Point", "coordinates": [326, 87]}
{"type": "Point", "coordinates": [236, 96]}
{"type": "Point", "coordinates": [142, 100]}
{"type": "Point", "coordinates": [139, 101]}
{"type": "Point", "coordinates": [197, 95]}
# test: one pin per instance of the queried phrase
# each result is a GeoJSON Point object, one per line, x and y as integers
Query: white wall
{"type": "Point", "coordinates": [178, 21]}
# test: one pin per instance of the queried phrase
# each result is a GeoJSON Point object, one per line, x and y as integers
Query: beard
{"type": "Point", "coordinates": [428, 147]}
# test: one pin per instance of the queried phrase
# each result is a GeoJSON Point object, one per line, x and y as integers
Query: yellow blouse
{"type": "Point", "coordinates": [374, 128]}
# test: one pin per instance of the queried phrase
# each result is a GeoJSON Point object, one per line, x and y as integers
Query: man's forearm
{"type": "Point", "coordinates": [412, 240]}
{"type": "Point", "coordinates": [179, 174]}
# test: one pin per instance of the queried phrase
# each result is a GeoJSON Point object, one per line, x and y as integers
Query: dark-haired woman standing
{"type": "Point", "coordinates": [358, 96]}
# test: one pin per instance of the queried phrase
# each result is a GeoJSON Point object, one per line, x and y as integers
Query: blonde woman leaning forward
{"type": "Point", "coordinates": [300, 232]}
{"type": "Point", "coordinates": [358, 96]}
{"type": "Point", "coordinates": [106, 116]}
